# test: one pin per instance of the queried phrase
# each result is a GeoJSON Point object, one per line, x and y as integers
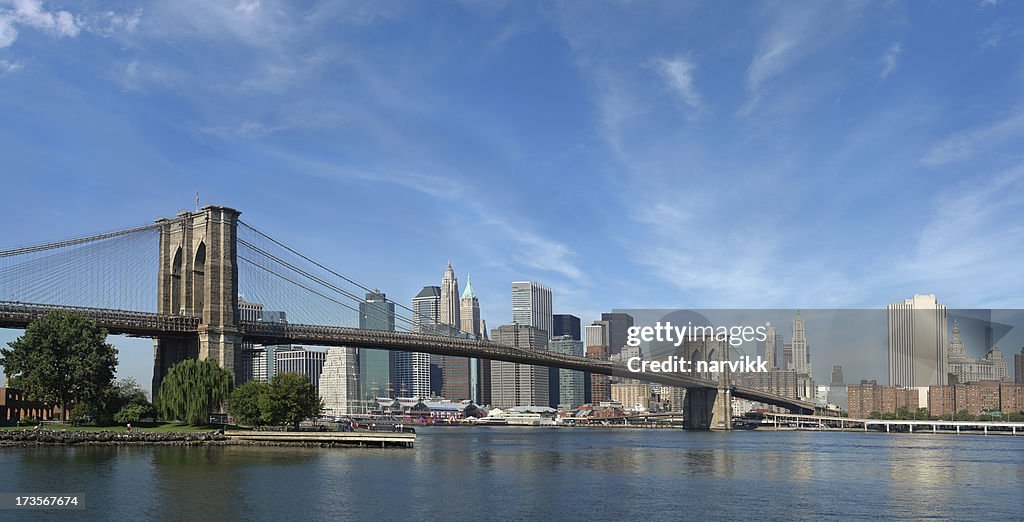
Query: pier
{"type": "Point", "coordinates": [351, 438]}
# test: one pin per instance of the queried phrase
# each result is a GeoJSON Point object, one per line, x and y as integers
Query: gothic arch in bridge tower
{"type": "Point", "coordinates": [176, 304]}
{"type": "Point", "coordinates": [199, 280]}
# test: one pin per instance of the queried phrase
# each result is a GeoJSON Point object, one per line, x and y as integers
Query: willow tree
{"type": "Point", "coordinates": [192, 389]}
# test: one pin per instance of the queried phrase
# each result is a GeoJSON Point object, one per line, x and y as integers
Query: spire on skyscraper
{"type": "Point", "coordinates": [468, 292]}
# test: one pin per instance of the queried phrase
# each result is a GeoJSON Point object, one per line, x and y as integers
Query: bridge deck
{"type": "Point", "coordinates": [145, 324]}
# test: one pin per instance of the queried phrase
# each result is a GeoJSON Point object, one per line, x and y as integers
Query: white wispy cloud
{"type": "Point", "coordinates": [678, 72]}
{"type": "Point", "coordinates": [969, 249]}
{"type": "Point", "coordinates": [59, 23]}
{"type": "Point", "coordinates": [891, 59]}
{"type": "Point", "coordinates": [966, 144]}
{"type": "Point", "coordinates": [8, 67]}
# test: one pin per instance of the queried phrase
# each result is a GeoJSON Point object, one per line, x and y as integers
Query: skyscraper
{"type": "Point", "coordinates": [618, 330]}
{"type": "Point", "coordinates": [469, 309]}
{"type": "Point", "coordinates": [531, 305]}
{"type": "Point", "coordinates": [917, 342]}
{"type": "Point", "coordinates": [339, 382]}
{"type": "Point", "coordinates": [770, 349]}
{"type": "Point", "coordinates": [296, 359]}
{"type": "Point", "coordinates": [801, 358]}
{"type": "Point", "coordinates": [426, 308]}
{"type": "Point", "coordinates": [449, 306]}
{"type": "Point", "coordinates": [514, 384]}
{"type": "Point", "coordinates": [566, 324]}
{"type": "Point", "coordinates": [412, 369]}
{"type": "Point", "coordinates": [596, 339]}
{"type": "Point", "coordinates": [570, 382]}
{"type": "Point", "coordinates": [376, 312]}
{"type": "Point", "coordinates": [455, 375]}
{"type": "Point", "coordinates": [837, 375]}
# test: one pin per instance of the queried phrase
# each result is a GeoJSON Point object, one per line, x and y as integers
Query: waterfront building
{"type": "Point", "coordinates": [296, 359]}
{"type": "Point", "coordinates": [634, 396]}
{"type": "Point", "coordinates": [917, 342]}
{"type": "Point", "coordinates": [570, 382]}
{"type": "Point", "coordinates": [976, 398]}
{"type": "Point", "coordinates": [514, 384]}
{"type": "Point", "coordinates": [339, 382]}
{"type": "Point", "coordinates": [869, 398]}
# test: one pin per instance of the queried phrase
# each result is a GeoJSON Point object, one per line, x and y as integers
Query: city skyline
{"type": "Point", "coordinates": [853, 139]}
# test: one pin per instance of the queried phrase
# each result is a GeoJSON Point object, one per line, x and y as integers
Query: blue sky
{"type": "Point", "coordinates": [629, 155]}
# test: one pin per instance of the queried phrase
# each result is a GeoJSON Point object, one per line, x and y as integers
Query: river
{"type": "Point", "coordinates": [540, 473]}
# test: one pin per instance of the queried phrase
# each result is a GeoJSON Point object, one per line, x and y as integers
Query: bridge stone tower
{"type": "Point", "coordinates": [198, 277]}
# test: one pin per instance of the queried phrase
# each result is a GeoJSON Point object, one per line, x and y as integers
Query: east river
{"type": "Point", "coordinates": [539, 473]}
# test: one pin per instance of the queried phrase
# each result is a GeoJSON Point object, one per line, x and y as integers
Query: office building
{"type": "Point", "coordinates": [837, 375]}
{"type": "Point", "coordinates": [566, 324]}
{"type": "Point", "coordinates": [531, 305]}
{"type": "Point", "coordinates": [618, 330]}
{"type": "Point", "coordinates": [339, 382]}
{"type": "Point", "coordinates": [800, 353]}
{"type": "Point", "coordinates": [596, 347]}
{"type": "Point", "coordinates": [449, 313]}
{"type": "Point", "coordinates": [770, 348]}
{"type": "Point", "coordinates": [917, 342]}
{"type": "Point", "coordinates": [514, 384]}
{"type": "Point", "coordinates": [426, 319]}
{"type": "Point", "coordinates": [301, 361]}
{"type": "Point", "coordinates": [376, 312]}
{"type": "Point", "coordinates": [469, 307]}
{"type": "Point", "coordinates": [570, 382]}
{"type": "Point", "coordinates": [991, 367]}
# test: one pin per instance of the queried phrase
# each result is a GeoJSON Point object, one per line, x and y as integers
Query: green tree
{"type": "Point", "coordinates": [962, 415]}
{"type": "Point", "coordinates": [192, 389]}
{"type": "Point", "coordinates": [62, 359]}
{"type": "Point", "coordinates": [121, 393]}
{"type": "Point", "coordinates": [133, 413]}
{"type": "Point", "coordinates": [245, 403]}
{"type": "Point", "coordinates": [291, 399]}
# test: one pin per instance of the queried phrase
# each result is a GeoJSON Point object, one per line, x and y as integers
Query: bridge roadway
{"type": "Point", "coordinates": [145, 324]}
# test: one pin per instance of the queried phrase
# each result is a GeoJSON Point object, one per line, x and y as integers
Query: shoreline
{"type": "Point", "coordinates": [47, 437]}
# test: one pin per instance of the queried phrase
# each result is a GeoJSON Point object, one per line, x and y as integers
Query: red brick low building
{"type": "Point", "coordinates": [14, 406]}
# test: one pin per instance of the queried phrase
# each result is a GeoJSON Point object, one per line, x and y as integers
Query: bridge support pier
{"type": "Point", "coordinates": [708, 409]}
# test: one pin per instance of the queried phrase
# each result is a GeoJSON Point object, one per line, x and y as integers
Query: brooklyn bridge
{"type": "Point", "coordinates": [179, 281]}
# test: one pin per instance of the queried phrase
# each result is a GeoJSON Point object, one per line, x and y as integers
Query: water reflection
{"type": "Point", "coordinates": [545, 473]}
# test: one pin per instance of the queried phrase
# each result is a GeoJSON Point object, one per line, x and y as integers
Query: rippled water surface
{"type": "Point", "coordinates": [529, 473]}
